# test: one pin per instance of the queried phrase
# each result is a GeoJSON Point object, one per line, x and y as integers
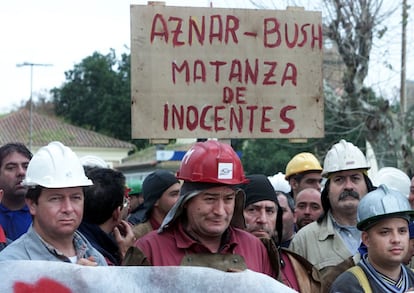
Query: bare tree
{"type": "Point", "coordinates": [353, 27]}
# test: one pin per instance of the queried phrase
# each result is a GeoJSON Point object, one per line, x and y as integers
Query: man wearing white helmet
{"type": "Point", "coordinates": [383, 217]}
{"type": "Point", "coordinates": [334, 237]}
{"type": "Point", "coordinates": [55, 198]}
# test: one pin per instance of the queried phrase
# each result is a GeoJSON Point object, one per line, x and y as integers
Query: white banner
{"type": "Point", "coordinates": [56, 277]}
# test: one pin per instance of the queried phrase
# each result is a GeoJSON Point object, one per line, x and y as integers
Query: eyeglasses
{"type": "Point", "coordinates": [126, 197]}
{"type": "Point", "coordinates": [126, 202]}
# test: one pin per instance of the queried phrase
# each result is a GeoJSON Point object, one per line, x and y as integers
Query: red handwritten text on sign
{"type": "Point", "coordinates": [241, 118]}
{"type": "Point", "coordinates": [226, 29]}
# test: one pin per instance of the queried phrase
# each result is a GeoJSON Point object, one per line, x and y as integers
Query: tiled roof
{"type": "Point", "coordinates": [15, 127]}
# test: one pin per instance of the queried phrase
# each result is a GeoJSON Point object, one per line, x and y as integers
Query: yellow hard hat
{"type": "Point", "coordinates": [302, 162]}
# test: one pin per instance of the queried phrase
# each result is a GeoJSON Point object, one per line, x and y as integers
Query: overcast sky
{"type": "Point", "coordinates": [61, 33]}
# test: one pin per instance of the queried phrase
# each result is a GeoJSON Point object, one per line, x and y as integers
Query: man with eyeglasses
{"type": "Point", "coordinates": [106, 206]}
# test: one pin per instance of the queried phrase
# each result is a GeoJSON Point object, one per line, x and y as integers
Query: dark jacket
{"type": "Point", "coordinates": [330, 274]}
{"type": "Point", "coordinates": [142, 228]}
{"type": "Point", "coordinates": [348, 282]}
{"type": "Point", "coordinates": [102, 242]}
{"type": "Point", "coordinates": [307, 276]}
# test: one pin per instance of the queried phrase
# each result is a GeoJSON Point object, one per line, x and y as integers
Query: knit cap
{"type": "Point", "coordinates": [259, 188]}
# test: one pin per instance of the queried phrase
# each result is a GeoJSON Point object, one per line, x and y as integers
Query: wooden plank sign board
{"type": "Point", "coordinates": [225, 73]}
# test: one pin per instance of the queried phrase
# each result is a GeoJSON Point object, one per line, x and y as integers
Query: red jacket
{"type": "Point", "coordinates": [2, 235]}
{"type": "Point", "coordinates": [169, 247]}
{"type": "Point", "coordinates": [3, 240]}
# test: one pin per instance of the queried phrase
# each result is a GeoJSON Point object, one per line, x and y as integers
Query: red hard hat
{"type": "Point", "coordinates": [211, 162]}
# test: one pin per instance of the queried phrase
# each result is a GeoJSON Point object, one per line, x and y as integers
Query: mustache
{"type": "Point", "coordinates": [258, 228]}
{"type": "Point", "coordinates": [350, 193]}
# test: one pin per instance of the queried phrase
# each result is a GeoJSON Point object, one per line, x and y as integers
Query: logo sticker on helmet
{"type": "Point", "coordinates": [225, 171]}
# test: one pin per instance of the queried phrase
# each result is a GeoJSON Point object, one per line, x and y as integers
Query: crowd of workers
{"type": "Point", "coordinates": [315, 228]}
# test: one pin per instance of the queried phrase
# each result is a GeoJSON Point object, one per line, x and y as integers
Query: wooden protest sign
{"type": "Point", "coordinates": [226, 73]}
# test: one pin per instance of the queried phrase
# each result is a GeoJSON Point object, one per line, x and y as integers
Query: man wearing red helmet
{"type": "Point", "coordinates": [204, 227]}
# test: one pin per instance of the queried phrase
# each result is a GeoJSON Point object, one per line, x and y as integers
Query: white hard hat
{"type": "Point", "coordinates": [381, 203]}
{"type": "Point", "coordinates": [279, 182]}
{"type": "Point", "coordinates": [55, 166]}
{"type": "Point", "coordinates": [394, 178]}
{"type": "Point", "coordinates": [93, 161]}
{"type": "Point", "coordinates": [344, 156]}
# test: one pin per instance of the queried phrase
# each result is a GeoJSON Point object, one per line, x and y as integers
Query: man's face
{"type": "Point", "coordinates": [308, 207]}
{"type": "Point", "coordinates": [209, 213]}
{"type": "Point", "coordinates": [12, 173]}
{"type": "Point", "coordinates": [260, 218]}
{"type": "Point", "coordinates": [345, 191]}
{"type": "Point", "coordinates": [387, 242]}
{"type": "Point", "coordinates": [168, 199]}
{"type": "Point", "coordinates": [288, 218]}
{"type": "Point", "coordinates": [135, 201]}
{"type": "Point", "coordinates": [309, 180]}
{"type": "Point", "coordinates": [58, 212]}
{"type": "Point", "coordinates": [411, 195]}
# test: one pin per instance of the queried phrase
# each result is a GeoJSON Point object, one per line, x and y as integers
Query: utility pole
{"type": "Point", "coordinates": [403, 92]}
{"type": "Point", "coordinates": [31, 96]}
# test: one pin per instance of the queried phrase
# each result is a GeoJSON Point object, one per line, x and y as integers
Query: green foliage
{"type": "Point", "coordinates": [96, 96]}
{"type": "Point", "coordinates": [268, 156]}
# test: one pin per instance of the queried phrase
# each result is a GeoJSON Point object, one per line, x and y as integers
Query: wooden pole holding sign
{"type": "Point", "coordinates": [225, 73]}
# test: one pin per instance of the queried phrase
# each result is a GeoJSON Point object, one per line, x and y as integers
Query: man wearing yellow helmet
{"type": "Point", "coordinates": [303, 171]}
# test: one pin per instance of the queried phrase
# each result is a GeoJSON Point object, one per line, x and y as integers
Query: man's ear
{"type": "Point", "coordinates": [293, 183]}
{"type": "Point", "coordinates": [31, 205]}
{"type": "Point", "coordinates": [116, 214]}
{"type": "Point", "coordinates": [1, 194]}
{"type": "Point", "coordinates": [365, 238]}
